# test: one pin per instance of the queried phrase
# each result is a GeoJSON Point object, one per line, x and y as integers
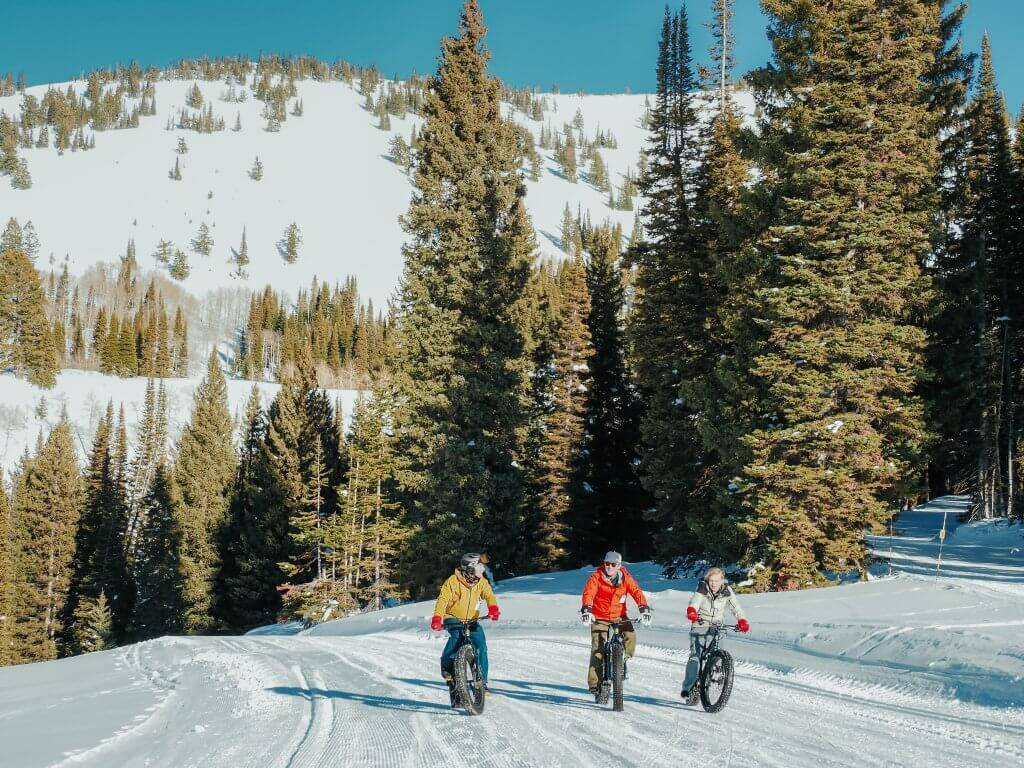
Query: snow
{"type": "Point", "coordinates": [84, 396]}
{"type": "Point", "coordinates": [907, 670]}
{"type": "Point", "coordinates": [327, 171]}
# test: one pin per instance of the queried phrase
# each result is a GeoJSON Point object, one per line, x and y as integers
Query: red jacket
{"type": "Point", "coordinates": [608, 600]}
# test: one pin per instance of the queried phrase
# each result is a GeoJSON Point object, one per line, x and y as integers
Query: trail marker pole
{"type": "Point", "coordinates": [942, 540]}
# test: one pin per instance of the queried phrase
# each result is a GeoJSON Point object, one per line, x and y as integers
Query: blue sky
{"type": "Point", "coordinates": [600, 45]}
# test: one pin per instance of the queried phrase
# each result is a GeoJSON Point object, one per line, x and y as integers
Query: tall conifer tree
{"type": "Point", "coordinates": [562, 435]}
{"type": "Point", "coordinates": [667, 328]}
{"type": "Point", "coordinates": [608, 512]}
{"type": "Point", "coordinates": [26, 339]}
{"type": "Point", "coordinates": [47, 507]}
{"type": "Point", "coordinates": [100, 565]}
{"type": "Point", "coordinates": [7, 576]}
{"type": "Point", "coordinates": [204, 470]}
{"type": "Point", "coordinates": [159, 607]}
{"type": "Point", "coordinates": [461, 356]}
{"type": "Point", "coordinates": [254, 541]}
{"type": "Point", "coordinates": [838, 430]}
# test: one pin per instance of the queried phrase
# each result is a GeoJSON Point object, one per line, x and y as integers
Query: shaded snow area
{"type": "Point", "coordinates": [84, 395]}
{"type": "Point", "coordinates": [328, 171]}
{"type": "Point", "coordinates": [907, 670]}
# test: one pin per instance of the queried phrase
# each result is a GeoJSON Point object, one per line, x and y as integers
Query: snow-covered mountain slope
{"type": "Point", "coordinates": [327, 171]}
{"type": "Point", "coordinates": [901, 671]}
{"type": "Point", "coordinates": [84, 395]}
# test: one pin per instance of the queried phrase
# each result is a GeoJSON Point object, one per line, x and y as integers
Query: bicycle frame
{"type": "Point", "coordinates": [614, 638]}
{"type": "Point", "coordinates": [710, 645]}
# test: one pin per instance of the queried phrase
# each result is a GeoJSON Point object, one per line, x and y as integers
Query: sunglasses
{"type": "Point", "coordinates": [613, 565]}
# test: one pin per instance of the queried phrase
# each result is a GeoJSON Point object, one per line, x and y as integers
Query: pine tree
{"type": "Point", "coordinates": [720, 381]}
{"type": "Point", "coordinates": [7, 577]}
{"type": "Point", "coordinates": [598, 172]}
{"type": "Point", "coordinates": [194, 97]}
{"type": "Point", "coordinates": [203, 242]}
{"type": "Point", "coordinates": [398, 150]}
{"type": "Point", "coordinates": [12, 238]}
{"type": "Point", "coordinates": [180, 345]}
{"type": "Point", "coordinates": [20, 177]}
{"type": "Point", "coordinates": [150, 452]}
{"type": "Point", "coordinates": [203, 471]}
{"type": "Point", "coordinates": [159, 607]}
{"type": "Point", "coordinates": [837, 430]}
{"type": "Point", "coordinates": [462, 357]}
{"type": "Point", "coordinates": [182, 147]}
{"type": "Point", "coordinates": [46, 506]}
{"type": "Point", "coordinates": [164, 252]}
{"type": "Point", "coordinates": [373, 469]}
{"type": "Point", "coordinates": [569, 230]}
{"type": "Point", "coordinates": [608, 512]}
{"type": "Point", "coordinates": [667, 326]}
{"type": "Point", "coordinates": [995, 265]}
{"type": "Point", "coordinates": [175, 173]}
{"type": "Point", "coordinates": [238, 122]}
{"type": "Point", "coordinates": [241, 258]}
{"type": "Point", "coordinates": [179, 267]}
{"type": "Point", "coordinates": [288, 245]}
{"type": "Point", "coordinates": [561, 449]}
{"type": "Point", "coordinates": [567, 159]}
{"type": "Point", "coordinates": [255, 536]}
{"type": "Point", "coordinates": [162, 359]}
{"type": "Point", "coordinates": [92, 626]}
{"type": "Point", "coordinates": [26, 340]}
{"type": "Point", "coordinates": [256, 172]}
{"type": "Point", "coordinates": [100, 566]}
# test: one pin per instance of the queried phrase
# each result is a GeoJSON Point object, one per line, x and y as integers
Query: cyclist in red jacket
{"type": "Point", "coordinates": [604, 601]}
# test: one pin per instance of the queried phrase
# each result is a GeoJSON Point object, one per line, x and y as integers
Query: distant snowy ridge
{"type": "Point", "coordinates": [328, 171]}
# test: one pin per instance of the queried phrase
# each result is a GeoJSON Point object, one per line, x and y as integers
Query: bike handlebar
{"type": "Point", "coordinates": [617, 622]}
{"type": "Point", "coordinates": [716, 625]}
{"type": "Point", "coordinates": [465, 623]}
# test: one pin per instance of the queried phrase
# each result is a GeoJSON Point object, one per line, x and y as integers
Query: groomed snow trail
{"type": "Point", "coordinates": [908, 670]}
{"type": "Point", "coordinates": [376, 700]}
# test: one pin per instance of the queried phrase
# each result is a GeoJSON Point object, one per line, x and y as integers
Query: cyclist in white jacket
{"type": "Point", "coordinates": [707, 607]}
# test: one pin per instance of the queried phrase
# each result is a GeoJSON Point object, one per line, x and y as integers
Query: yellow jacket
{"type": "Point", "coordinates": [459, 599]}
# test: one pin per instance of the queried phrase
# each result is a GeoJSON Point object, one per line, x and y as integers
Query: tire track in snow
{"type": "Point", "coordinates": [764, 698]}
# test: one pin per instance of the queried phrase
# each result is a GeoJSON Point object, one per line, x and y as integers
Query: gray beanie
{"type": "Point", "coordinates": [612, 557]}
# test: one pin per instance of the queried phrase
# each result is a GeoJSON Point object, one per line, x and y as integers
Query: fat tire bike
{"type": "Point", "coordinates": [716, 671]}
{"type": "Point", "coordinates": [613, 669]}
{"type": "Point", "coordinates": [466, 676]}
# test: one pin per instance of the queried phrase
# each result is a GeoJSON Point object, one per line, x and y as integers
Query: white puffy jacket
{"type": "Point", "coordinates": [711, 606]}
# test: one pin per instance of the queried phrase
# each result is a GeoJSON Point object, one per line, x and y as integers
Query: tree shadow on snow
{"type": "Point", "coordinates": [548, 693]}
{"type": "Point", "coordinates": [555, 241]}
{"type": "Point", "coordinates": [383, 702]}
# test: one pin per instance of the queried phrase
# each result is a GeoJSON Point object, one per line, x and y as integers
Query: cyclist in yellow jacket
{"type": "Point", "coordinates": [457, 602]}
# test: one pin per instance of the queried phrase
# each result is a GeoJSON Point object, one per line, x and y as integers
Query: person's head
{"type": "Point", "coordinates": [715, 577]}
{"type": "Point", "coordinates": [471, 567]}
{"type": "Point", "coordinates": [485, 558]}
{"type": "Point", "coordinates": [612, 563]}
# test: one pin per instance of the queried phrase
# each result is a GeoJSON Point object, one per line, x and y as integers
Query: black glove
{"type": "Point", "coordinates": [587, 614]}
{"type": "Point", "coordinates": [645, 615]}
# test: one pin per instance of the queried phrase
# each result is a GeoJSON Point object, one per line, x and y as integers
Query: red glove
{"type": "Point", "coordinates": [691, 613]}
{"type": "Point", "coordinates": [742, 625]}
{"type": "Point", "coordinates": [493, 613]}
{"type": "Point", "coordinates": [436, 624]}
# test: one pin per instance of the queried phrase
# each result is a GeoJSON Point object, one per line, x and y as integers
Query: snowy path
{"type": "Point", "coordinates": [376, 700]}
{"type": "Point", "coordinates": [903, 671]}
{"type": "Point", "coordinates": [980, 554]}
